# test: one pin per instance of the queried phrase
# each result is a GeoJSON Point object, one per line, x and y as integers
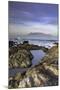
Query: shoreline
{"type": "Point", "coordinates": [48, 65]}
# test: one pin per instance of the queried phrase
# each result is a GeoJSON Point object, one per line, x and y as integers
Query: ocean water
{"type": "Point", "coordinates": [45, 43]}
{"type": "Point", "coordinates": [38, 55]}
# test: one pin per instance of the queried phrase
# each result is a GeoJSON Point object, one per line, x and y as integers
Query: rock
{"type": "Point", "coordinates": [25, 42]}
{"type": "Point", "coordinates": [14, 82]}
{"type": "Point", "coordinates": [18, 76]}
{"type": "Point", "coordinates": [56, 43]}
{"type": "Point", "coordinates": [22, 58]}
{"type": "Point", "coordinates": [43, 74]}
{"type": "Point", "coordinates": [51, 69]}
{"type": "Point", "coordinates": [11, 43]}
{"type": "Point", "coordinates": [46, 73]}
{"type": "Point", "coordinates": [26, 46]}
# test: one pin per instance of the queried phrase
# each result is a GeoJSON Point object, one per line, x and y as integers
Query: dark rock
{"type": "Point", "coordinates": [25, 42]}
{"type": "Point", "coordinates": [56, 43]}
{"type": "Point", "coordinates": [11, 43]}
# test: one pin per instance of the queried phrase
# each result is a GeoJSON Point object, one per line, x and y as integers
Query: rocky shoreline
{"type": "Point", "coordinates": [20, 55]}
{"type": "Point", "coordinates": [28, 47]}
{"type": "Point", "coordinates": [43, 74]}
{"type": "Point", "coordinates": [21, 59]}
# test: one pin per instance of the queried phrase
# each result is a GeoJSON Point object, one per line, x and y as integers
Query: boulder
{"type": "Point", "coordinates": [22, 59]}
{"type": "Point", "coordinates": [25, 42]}
{"type": "Point", "coordinates": [11, 43]}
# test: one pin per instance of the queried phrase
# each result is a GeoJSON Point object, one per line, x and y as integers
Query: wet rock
{"type": "Point", "coordinates": [46, 73]}
{"type": "Point", "coordinates": [43, 74]}
{"type": "Point", "coordinates": [56, 43]}
{"type": "Point", "coordinates": [11, 43]}
{"type": "Point", "coordinates": [22, 58]}
{"type": "Point", "coordinates": [26, 46]}
{"type": "Point", "coordinates": [25, 42]}
{"type": "Point", "coordinates": [14, 81]}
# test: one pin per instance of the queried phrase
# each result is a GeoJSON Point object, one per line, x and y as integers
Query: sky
{"type": "Point", "coordinates": [26, 17]}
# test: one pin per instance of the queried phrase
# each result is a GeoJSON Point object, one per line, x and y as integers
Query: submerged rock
{"type": "Point", "coordinates": [22, 58]}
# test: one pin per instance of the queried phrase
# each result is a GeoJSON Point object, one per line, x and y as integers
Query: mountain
{"type": "Point", "coordinates": [41, 36]}
{"type": "Point", "coordinates": [34, 36]}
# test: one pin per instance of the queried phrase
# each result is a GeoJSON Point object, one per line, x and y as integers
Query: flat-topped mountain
{"type": "Point", "coordinates": [41, 36]}
{"type": "Point", "coordinates": [36, 33]}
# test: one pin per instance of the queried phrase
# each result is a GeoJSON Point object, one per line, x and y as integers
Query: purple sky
{"type": "Point", "coordinates": [33, 17]}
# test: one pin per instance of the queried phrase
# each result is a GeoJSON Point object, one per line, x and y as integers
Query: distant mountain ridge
{"type": "Point", "coordinates": [35, 36]}
{"type": "Point", "coordinates": [41, 36]}
{"type": "Point", "coordinates": [36, 33]}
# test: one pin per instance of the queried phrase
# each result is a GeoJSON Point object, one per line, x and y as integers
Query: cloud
{"type": "Point", "coordinates": [43, 13]}
{"type": "Point", "coordinates": [16, 29]}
